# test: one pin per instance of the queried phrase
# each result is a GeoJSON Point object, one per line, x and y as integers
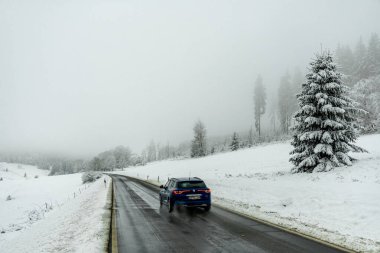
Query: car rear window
{"type": "Point", "coordinates": [191, 184]}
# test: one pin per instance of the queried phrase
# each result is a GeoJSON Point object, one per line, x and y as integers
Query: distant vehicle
{"type": "Point", "coordinates": [188, 192]}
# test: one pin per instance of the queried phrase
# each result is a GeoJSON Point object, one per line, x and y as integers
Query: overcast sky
{"type": "Point", "coordinates": [81, 77]}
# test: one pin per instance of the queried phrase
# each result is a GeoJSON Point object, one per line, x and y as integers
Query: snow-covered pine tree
{"type": "Point", "coordinates": [235, 144]}
{"type": "Point", "coordinates": [325, 128]}
{"type": "Point", "coordinates": [198, 145]}
{"type": "Point", "coordinates": [359, 59]}
{"type": "Point", "coordinates": [259, 99]}
{"type": "Point", "coordinates": [371, 65]}
{"type": "Point", "coordinates": [250, 137]}
{"type": "Point", "coordinates": [367, 93]}
{"type": "Point", "coordinates": [285, 103]}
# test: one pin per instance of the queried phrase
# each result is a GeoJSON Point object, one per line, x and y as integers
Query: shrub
{"type": "Point", "coordinates": [90, 176]}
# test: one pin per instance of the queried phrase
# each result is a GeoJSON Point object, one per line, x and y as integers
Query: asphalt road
{"type": "Point", "coordinates": [142, 226]}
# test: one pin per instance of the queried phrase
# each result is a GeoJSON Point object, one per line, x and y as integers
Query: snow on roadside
{"type": "Point", "coordinates": [341, 206]}
{"type": "Point", "coordinates": [44, 215]}
{"type": "Point", "coordinates": [31, 198]}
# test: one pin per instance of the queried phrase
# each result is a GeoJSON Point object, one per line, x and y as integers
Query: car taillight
{"type": "Point", "coordinates": [179, 192]}
{"type": "Point", "coordinates": [206, 191]}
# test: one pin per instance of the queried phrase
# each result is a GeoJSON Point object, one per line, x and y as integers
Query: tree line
{"type": "Point", "coordinates": [361, 71]}
{"type": "Point", "coordinates": [117, 158]}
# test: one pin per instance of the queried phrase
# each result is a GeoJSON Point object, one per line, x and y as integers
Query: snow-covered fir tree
{"type": "Point", "coordinates": [235, 143]}
{"type": "Point", "coordinates": [325, 128]}
{"type": "Point", "coordinates": [367, 93]}
{"type": "Point", "coordinates": [285, 103]}
{"type": "Point", "coordinates": [371, 65]}
{"type": "Point", "coordinates": [259, 99]}
{"type": "Point", "coordinates": [198, 145]}
{"type": "Point", "coordinates": [250, 137]}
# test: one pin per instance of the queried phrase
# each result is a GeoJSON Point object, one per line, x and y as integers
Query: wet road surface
{"type": "Point", "coordinates": [143, 226]}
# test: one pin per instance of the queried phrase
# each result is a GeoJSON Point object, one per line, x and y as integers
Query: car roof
{"type": "Point", "coordinates": [187, 179]}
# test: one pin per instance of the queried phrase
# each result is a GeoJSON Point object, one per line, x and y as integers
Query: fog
{"type": "Point", "coordinates": [80, 77]}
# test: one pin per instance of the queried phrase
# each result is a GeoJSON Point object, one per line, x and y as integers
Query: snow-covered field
{"type": "Point", "coordinates": [341, 206]}
{"type": "Point", "coordinates": [51, 214]}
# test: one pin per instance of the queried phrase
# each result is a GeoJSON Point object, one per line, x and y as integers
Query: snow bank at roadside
{"type": "Point", "coordinates": [341, 206]}
{"type": "Point", "coordinates": [52, 214]}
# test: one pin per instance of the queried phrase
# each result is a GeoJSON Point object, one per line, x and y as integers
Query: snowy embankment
{"type": "Point", "coordinates": [341, 206]}
{"type": "Point", "coordinates": [51, 214]}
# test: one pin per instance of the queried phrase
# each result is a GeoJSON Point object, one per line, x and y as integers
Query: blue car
{"type": "Point", "coordinates": [189, 192]}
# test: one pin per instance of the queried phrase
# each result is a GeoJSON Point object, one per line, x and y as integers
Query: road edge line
{"type": "Point", "coordinates": [286, 229]}
{"type": "Point", "coordinates": [113, 230]}
{"type": "Point", "coordinates": [108, 222]}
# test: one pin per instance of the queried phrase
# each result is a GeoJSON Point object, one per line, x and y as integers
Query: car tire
{"type": "Point", "coordinates": [170, 205]}
{"type": "Point", "coordinates": [207, 208]}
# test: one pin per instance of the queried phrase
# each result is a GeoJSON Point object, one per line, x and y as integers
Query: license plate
{"type": "Point", "coordinates": [194, 196]}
